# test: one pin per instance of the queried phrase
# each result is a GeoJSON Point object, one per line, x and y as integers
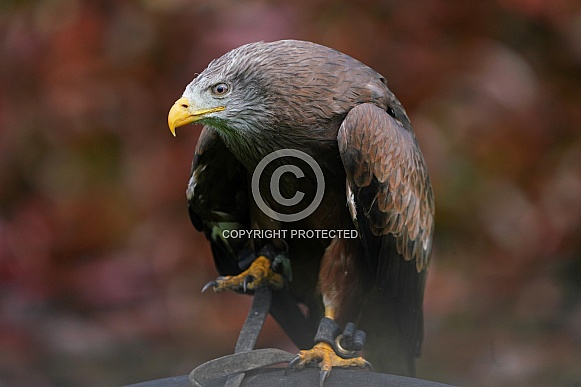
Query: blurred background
{"type": "Point", "coordinates": [101, 271]}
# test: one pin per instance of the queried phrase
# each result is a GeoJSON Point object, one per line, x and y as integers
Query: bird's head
{"type": "Point", "coordinates": [229, 95]}
{"type": "Point", "coordinates": [267, 96]}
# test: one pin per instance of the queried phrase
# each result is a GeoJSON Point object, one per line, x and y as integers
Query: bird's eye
{"type": "Point", "coordinates": [220, 89]}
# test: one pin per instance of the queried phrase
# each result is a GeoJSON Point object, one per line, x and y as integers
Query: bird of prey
{"type": "Point", "coordinates": [362, 254]}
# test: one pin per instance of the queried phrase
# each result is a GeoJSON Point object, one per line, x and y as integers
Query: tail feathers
{"type": "Point", "coordinates": [386, 348]}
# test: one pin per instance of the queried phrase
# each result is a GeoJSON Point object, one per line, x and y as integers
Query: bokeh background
{"type": "Point", "coordinates": [100, 270]}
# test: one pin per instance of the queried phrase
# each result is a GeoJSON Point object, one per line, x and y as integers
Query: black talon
{"type": "Point", "coordinates": [292, 364]}
{"type": "Point", "coordinates": [323, 376]}
{"type": "Point", "coordinates": [211, 283]}
{"type": "Point", "coordinates": [247, 281]}
{"type": "Point", "coordinates": [368, 365]}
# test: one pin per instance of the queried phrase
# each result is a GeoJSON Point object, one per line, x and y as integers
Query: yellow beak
{"type": "Point", "coordinates": [182, 114]}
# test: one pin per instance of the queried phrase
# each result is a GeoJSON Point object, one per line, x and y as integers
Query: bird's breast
{"type": "Point", "coordinates": [313, 186]}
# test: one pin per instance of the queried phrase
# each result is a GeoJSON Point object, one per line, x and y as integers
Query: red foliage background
{"type": "Point", "coordinates": [100, 270]}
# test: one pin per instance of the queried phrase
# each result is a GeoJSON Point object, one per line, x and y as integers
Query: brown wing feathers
{"type": "Point", "coordinates": [384, 164]}
{"type": "Point", "coordinates": [394, 209]}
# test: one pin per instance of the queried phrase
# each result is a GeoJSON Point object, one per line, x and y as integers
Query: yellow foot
{"type": "Point", "coordinates": [259, 273]}
{"type": "Point", "coordinates": [324, 354]}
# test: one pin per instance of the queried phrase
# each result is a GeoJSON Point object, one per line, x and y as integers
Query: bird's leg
{"type": "Point", "coordinates": [259, 273]}
{"type": "Point", "coordinates": [330, 351]}
{"type": "Point", "coordinates": [333, 347]}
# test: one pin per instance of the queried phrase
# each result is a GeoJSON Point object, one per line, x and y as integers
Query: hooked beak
{"type": "Point", "coordinates": [182, 113]}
